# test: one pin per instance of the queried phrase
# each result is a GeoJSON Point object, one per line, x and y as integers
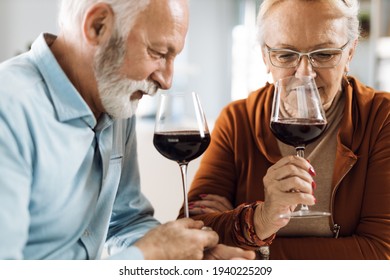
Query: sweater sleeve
{"type": "Point", "coordinates": [217, 175]}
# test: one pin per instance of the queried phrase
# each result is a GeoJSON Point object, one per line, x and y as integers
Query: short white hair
{"type": "Point", "coordinates": [349, 9]}
{"type": "Point", "coordinates": [71, 12]}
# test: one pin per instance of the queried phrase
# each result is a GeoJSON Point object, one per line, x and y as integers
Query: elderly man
{"type": "Point", "coordinates": [69, 179]}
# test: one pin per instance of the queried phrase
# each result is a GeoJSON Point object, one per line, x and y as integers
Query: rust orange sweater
{"type": "Point", "coordinates": [243, 148]}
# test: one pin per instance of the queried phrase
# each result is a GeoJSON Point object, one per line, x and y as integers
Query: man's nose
{"type": "Point", "coordinates": [304, 67]}
{"type": "Point", "coordinates": [163, 75]}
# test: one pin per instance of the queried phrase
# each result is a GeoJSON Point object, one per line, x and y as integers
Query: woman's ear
{"type": "Point", "coordinates": [98, 24]}
{"type": "Point", "coordinates": [350, 55]}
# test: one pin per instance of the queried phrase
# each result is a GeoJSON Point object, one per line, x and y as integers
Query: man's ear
{"type": "Point", "coordinates": [98, 23]}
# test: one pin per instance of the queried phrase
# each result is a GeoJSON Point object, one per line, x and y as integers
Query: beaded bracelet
{"type": "Point", "coordinates": [244, 229]}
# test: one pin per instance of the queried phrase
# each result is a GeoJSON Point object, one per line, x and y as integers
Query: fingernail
{"type": "Point", "coordinates": [202, 206]}
{"type": "Point", "coordinates": [314, 185]}
{"type": "Point", "coordinates": [203, 195]}
{"type": "Point", "coordinates": [315, 200]}
{"type": "Point", "coordinates": [308, 160]}
{"type": "Point", "coordinates": [312, 172]}
{"type": "Point", "coordinates": [191, 206]}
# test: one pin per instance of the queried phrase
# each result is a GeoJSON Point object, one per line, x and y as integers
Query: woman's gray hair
{"type": "Point", "coordinates": [72, 12]}
{"type": "Point", "coordinates": [348, 9]}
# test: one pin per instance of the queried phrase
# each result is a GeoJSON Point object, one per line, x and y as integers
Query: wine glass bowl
{"type": "Point", "coordinates": [298, 119]}
{"type": "Point", "coordinates": [181, 133]}
{"type": "Point", "coordinates": [181, 146]}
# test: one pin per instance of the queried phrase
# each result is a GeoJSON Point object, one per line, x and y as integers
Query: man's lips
{"type": "Point", "coordinates": [137, 95]}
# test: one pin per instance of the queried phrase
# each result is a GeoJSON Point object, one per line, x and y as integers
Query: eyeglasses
{"type": "Point", "coordinates": [322, 58]}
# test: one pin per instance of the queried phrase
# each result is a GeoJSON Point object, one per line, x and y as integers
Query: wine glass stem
{"type": "Point", "coordinates": [301, 153]}
{"type": "Point", "coordinates": [183, 169]}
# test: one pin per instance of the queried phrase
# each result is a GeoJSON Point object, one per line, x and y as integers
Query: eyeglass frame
{"type": "Point", "coordinates": [300, 54]}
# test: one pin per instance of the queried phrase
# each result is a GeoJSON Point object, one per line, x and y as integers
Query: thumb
{"type": "Point", "coordinates": [190, 223]}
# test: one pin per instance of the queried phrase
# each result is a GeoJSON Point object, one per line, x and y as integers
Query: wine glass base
{"type": "Point", "coordinates": [305, 214]}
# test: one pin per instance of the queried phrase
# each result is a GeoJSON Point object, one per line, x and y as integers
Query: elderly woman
{"type": "Point", "coordinates": [244, 181]}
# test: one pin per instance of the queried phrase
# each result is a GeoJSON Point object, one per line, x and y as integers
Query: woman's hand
{"type": "Point", "coordinates": [209, 203]}
{"type": "Point", "coordinates": [287, 183]}
{"type": "Point", "coordinates": [223, 252]}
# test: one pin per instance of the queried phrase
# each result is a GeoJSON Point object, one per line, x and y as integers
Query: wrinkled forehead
{"type": "Point", "coordinates": [166, 10]}
{"type": "Point", "coordinates": [165, 15]}
{"type": "Point", "coordinates": [295, 22]}
{"type": "Point", "coordinates": [164, 23]}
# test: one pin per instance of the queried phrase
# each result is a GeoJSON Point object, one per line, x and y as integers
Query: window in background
{"type": "Point", "coordinates": [248, 69]}
{"type": "Point", "coordinates": [371, 62]}
{"type": "Point", "coordinates": [380, 21]}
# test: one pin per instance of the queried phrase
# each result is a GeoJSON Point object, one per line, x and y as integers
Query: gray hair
{"type": "Point", "coordinates": [72, 12]}
{"type": "Point", "coordinates": [348, 9]}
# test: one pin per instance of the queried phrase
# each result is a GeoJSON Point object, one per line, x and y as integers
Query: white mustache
{"type": "Point", "coordinates": [147, 87]}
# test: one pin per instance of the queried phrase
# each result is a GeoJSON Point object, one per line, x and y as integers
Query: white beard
{"type": "Point", "coordinates": [115, 90]}
{"type": "Point", "coordinates": [115, 96]}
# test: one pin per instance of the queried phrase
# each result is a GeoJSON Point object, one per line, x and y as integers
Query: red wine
{"type": "Point", "coordinates": [181, 146]}
{"type": "Point", "coordinates": [296, 132]}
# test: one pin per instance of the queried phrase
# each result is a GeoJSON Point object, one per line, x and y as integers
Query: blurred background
{"type": "Point", "coordinates": [221, 62]}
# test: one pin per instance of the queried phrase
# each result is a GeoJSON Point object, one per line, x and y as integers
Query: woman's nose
{"type": "Point", "coordinates": [304, 67]}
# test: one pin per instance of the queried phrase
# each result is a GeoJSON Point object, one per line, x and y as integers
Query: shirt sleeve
{"type": "Point", "coordinates": [15, 181]}
{"type": "Point", "coordinates": [130, 253]}
{"type": "Point", "coordinates": [132, 214]}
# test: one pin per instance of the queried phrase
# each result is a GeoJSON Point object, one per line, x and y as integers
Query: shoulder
{"type": "Point", "coordinates": [256, 99]}
{"type": "Point", "coordinates": [381, 107]}
{"type": "Point", "coordinates": [371, 105]}
{"type": "Point", "coordinates": [19, 72]}
{"type": "Point", "coordinates": [20, 80]}
{"type": "Point", "coordinates": [243, 115]}
{"type": "Point", "coordinates": [368, 96]}
{"type": "Point", "coordinates": [24, 103]}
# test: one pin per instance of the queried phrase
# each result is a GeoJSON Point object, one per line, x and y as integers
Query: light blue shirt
{"type": "Point", "coordinates": [68, 184]}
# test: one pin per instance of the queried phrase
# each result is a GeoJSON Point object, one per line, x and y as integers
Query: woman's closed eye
{"type": "Point", "coordinates": [323, 56]}
{"type": "Point", "coordinates": [286, 56]}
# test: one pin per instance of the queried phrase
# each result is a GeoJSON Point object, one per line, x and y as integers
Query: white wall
{"type": "Point", "coordinates": [209, 47]}
{"type": "Point", "coordinates": [21, 21]}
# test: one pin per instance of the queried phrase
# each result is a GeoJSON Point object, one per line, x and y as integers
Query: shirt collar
{"type": "Point", "coordinates": [67, 101]}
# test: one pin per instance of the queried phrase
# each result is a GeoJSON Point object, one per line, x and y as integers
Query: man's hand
{"type": "Point", "coordinates": [184, 239]}
{"type": "Point", "coordinates": [178, 240]}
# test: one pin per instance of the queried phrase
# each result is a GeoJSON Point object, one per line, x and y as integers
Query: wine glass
{"type": "Point", "coordinates": [181, 132]}
{"type": "Point", "coordinates": [298, 119]}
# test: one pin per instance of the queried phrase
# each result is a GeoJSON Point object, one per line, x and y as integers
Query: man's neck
{"type": "Point", "coordinates": [76, 60]}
